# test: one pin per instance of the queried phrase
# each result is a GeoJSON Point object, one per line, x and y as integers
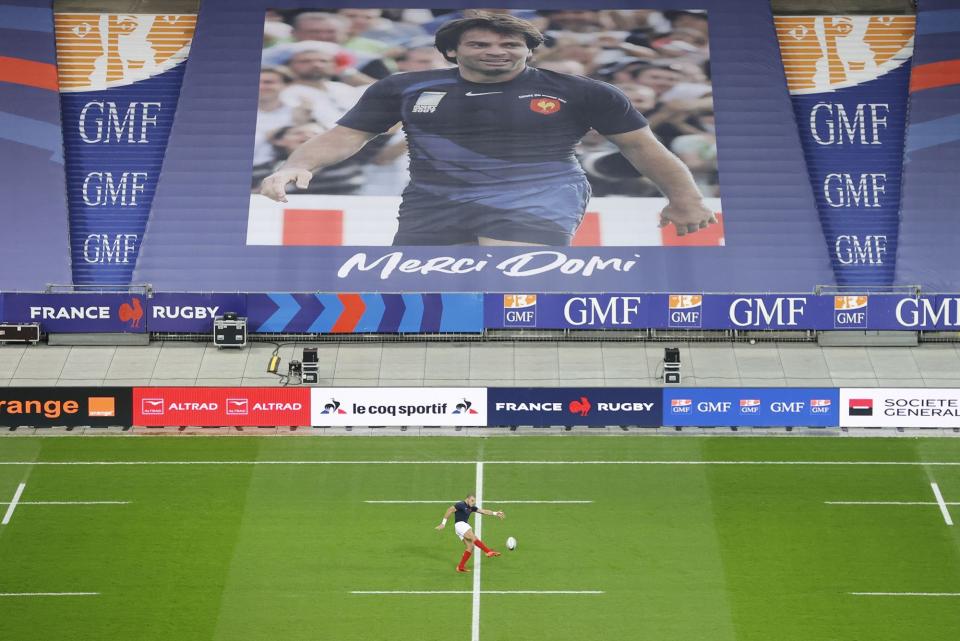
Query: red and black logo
{"type": "Point", "coordinates": [860, 407]}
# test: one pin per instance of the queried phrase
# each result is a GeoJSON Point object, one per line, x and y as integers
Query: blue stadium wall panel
{"type": "Point", "coordinates": [930, 223]}
{"type": "Point", "coordinates": [195, 238]}
{"type": "Point", "coordinates": [34, 247]}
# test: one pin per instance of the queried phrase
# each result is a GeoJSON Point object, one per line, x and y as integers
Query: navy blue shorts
{"type": "Point", "coordinates": [544, 214]}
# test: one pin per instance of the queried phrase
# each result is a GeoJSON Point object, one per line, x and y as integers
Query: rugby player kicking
{"type": "Point", "coordinates": [491, 143]}
{"type": "Point", "coordinates": [462, 510]}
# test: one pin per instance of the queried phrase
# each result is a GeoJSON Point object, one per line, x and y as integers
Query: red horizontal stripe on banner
{"type": "Point", "coordinates": [27, 72]}
{"type": "Point", "coordinates": [935, 74]}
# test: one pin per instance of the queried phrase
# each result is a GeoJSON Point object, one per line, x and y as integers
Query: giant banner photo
{"type": "Point", "coordinates": [484, 127]}
{"type": "Point", "coordinates": [325, 147]}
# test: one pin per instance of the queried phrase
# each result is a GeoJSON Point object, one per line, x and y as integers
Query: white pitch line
{"type": "Point", "coordinates": [475, 622]}
{"type": "Point", "coordinates": [543, 591]}
{"type": "Point", "coordinates": [885, 503]}
{"type": "Point", "coordinates": [482, 592]}
{"type": "Point", "coordinates": [489, 501]}
{"type": "Point", "coordinates": [812, 463]}
{"type": "Point", "coordinates": [13, 504]}
{"type": "Point", "coordinates": [941, 503]}
{"type": "Point", "coordinates": [905, 593]}
{"type": "Point", "coordinates": [70, 503]}
{"type": "Point", "coordinates": [49, 594]}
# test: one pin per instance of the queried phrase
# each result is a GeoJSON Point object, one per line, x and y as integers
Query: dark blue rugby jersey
{"type": "Point", "coordinates": [470, 134]}
{"type": "Point", "coordinates": [463, 511]}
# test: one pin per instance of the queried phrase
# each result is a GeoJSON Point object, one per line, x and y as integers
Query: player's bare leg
{"type": "Point", "coordinates": [493, 242]}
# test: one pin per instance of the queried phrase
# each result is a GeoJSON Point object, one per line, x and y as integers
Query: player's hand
{"type": "Point", "coordinates": [687, 217]}
{"type": "Point", "coordinates": [440, 527]}
{"type": "Point", "coordinates": [499, 515]}
{"type": "Point", "coordinates": [274, 186]}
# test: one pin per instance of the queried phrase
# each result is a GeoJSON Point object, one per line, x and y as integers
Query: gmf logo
{"type": "Point", "coordinates": [96, 51]}
{"type": "Point", "coordinates": [824, 53]}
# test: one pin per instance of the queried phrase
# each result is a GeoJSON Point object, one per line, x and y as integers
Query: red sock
{"type": "Point", "coordinates": [466, 557]}
{"type": "Point", "coordinates": [481, 545]}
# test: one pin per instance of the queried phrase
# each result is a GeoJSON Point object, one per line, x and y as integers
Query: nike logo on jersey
{"type": "Point", "coordinates": [485, 93]}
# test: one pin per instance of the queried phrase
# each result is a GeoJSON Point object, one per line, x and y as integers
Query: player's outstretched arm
{"type": "Point", "coordinates": [446, 515]}
{"type": "Point", "coordinates": [686, 209]}
{"type": "Point", "coordinates": [322, 150]}
{"type": "Point", "coordinates": [497, 514]}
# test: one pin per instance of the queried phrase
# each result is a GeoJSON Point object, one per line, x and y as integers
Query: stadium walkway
{"type": "Point", "coordinates": [489, 364]}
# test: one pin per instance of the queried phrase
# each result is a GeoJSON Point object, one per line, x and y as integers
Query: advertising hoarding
{"type": "Point", "coordinates": [757, 407]}
{"type": "Point", "coordinates": [86, 313]}
{"type": "Point", "coordinates": [575, 406]}
{"type": "Point", "coordinates": [904, 407]}
{"type": "Point", "coordinates": [65, 406]}
{"type": "Point", "coordinates": [380, 406]}
{"type": "Point", "coordinates": [221, 406]}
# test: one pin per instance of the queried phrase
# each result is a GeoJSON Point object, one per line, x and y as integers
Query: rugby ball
{"type": "Point", "coordinates": [511, 543]}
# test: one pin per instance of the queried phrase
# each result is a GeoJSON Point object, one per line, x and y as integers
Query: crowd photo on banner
{"type": "Point", "coordinates": [317, 63]}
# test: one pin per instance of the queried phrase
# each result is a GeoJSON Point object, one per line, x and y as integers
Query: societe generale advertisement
{"type": "Point", "coordinates": [899, 407]}
{"type": "Point", "coordinates": [376, 406]}
{"type": "Point", "coordinates": [221, 406]}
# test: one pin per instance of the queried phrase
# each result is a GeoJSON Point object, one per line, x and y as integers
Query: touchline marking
{"type": "Point", "coordinates": [941, 503]}
{"type": "Point", "coordinates": [482, 592]}
{"type": "Point", "coordinates": [70, 503]}
{"type": "Point", "coordinates": [885, 503]}
{"type": "Point", "coordinates": [905, 593]}
{"type": "Point", "coordinates": [475, 624]}
{"type": "Point", "coordinates": [488, 501]}
{"type": "Point", "coordinates": [13, 504]}
{"type": "Point", "coordinates": [49, 593]}
{"type": "Point", "coordinates": [436, 462]}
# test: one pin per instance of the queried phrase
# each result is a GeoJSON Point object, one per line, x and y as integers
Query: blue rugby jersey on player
{"type": "Point", "coordinates": [466, 134]}
{"type": "Point", "coordinates": [462, 511]}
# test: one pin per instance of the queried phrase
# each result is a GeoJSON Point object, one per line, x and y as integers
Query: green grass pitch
{"type": "Point", "coordinates": [680, 551]}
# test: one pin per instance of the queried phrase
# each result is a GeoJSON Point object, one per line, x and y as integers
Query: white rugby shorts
{"type": "Point", "coordinates": [461, 528]}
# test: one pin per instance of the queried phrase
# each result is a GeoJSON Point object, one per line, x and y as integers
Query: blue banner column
{"type": "Point", "coordinates": [848, 78]}
{"type": "Point", "coordinates": [120, 77]}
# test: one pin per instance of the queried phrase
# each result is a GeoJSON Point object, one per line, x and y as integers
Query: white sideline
{"type": "Point", "coordinates": [489, 501]}
{"type": "Point", "coordinates": [873, 463]}
{"type": "Point", "coordinates": [70, 503]}
{"type": "Point", "coordinates": [940, 502]}
{"type": "Point", "coordinates": [482, 592]}
{"type": "Point", "coordinates": [885, 503]}
{"type": "Point", "coordinates": [905, 593]}
{"type": "Point", "coordinates": [478, 554]}
{"type": "Point", "coordinates": [49, 593]}
{"type": "Point", "coordinates": [13, 504]}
